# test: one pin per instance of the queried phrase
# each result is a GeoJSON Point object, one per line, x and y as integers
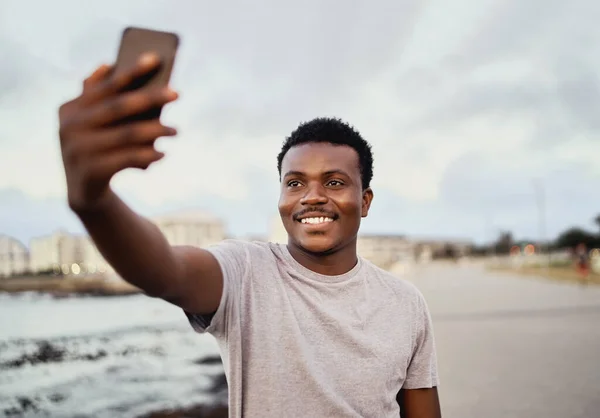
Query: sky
{"type": "Point", "coordinates": [483, 116]}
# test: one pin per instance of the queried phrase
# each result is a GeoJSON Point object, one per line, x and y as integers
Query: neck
{"type": "Point", "coordinates": [331, 263]}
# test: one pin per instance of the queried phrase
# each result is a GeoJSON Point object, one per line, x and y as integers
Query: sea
{"type": "Point", "coordinates": [124, 356]}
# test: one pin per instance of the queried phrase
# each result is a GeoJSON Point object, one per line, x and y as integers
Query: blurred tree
{"type": "Point", "coordinates": [575, 236]}
{"type": "Point", "coordinates": [449, 252]}
{"type": "Point", "coordinates": [597, 220]}
{"type": "Point", "coordinates": [504, 243]}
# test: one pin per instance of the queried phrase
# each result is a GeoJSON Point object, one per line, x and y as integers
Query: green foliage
{"type": "Point", "coordinates": [568, 239]}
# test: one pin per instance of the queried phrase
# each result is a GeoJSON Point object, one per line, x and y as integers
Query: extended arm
{"type": "Point", "coordinates": [96, 144]}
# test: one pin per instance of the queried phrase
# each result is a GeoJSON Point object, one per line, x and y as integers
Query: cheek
{"type": "Point", "coordinates": [350, 204]}
{"type": "Point", "coordinates": [285, 206]}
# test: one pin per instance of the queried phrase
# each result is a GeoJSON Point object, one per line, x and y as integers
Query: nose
{"type": "Point", "coordinates": [315, 195]}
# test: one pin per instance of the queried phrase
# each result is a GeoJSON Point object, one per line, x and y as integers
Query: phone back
{"type": "Point", "coordinates": [136, 41]}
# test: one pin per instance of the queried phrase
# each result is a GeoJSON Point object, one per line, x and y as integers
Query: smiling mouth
{"type": "Point", "coordinates": [316, 220]}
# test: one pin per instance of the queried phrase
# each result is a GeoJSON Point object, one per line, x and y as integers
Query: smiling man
{"type": "Point", "coordinates": [307, 329]}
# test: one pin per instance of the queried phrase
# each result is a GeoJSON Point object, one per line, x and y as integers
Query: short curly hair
{"type": "Point", "coordinates": [333, 131]}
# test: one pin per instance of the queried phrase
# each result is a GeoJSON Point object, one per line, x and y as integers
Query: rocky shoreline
{"type": "Point", "coordinates": [27, 405]}
{"type": "Point", "coordinates": [68, 286]}
{"type": "Point", "coordinates": [219, 388]}
{"type": "Point", "coordinates": [194, 412]}
{"type": "Point", "coordinates": [24, 354]}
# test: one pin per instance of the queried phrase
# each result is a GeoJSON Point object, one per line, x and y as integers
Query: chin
{"type": "Point", "coordinates": [316, 244]}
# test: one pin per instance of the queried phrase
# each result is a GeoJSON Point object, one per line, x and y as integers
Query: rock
{"type": "Point", "coordinates": [201, 411]}
{"type": "Point", "coordinates": [25, 407]}
{"type": "Point", "coordinates": [219, 384]}
{"type": "Point", "coordinates": [46, 353]}
{"type": "Point", "coordinates": [209, 360]}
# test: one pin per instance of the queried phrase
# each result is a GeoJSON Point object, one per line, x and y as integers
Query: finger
{"type": "Point", "coordinates": [126, 105]}
{"type": "Point", "coordinates": [97, 76]}
{"type": "Point", "coordinates": [133, 134]}
{"type": "Point", "coordinates": [121, 78]}
{"type": "Point", "coordinates": [122, 138]}
{"type": "Point", "coordinates": [134, 157]}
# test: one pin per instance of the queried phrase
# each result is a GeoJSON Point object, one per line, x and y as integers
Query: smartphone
{"type": "Point", "coordinates": [136, 41]}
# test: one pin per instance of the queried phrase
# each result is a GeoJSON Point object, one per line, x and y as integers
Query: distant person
{"type": "Point", "coordinates": [582, 261]}
{"type": "Point", "coordinates": [307, 329]}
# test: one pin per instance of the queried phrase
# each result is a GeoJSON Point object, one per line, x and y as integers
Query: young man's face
{"type": "Point", "coordinates": [322, 201]}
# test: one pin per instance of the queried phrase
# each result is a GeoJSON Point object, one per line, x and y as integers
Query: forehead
{"type": "Point", "coordinates": [319, 157]}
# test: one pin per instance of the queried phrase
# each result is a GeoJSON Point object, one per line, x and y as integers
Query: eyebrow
{"type": "Point", "coordinates": [327, 173]}
{"type": "Point", "coordinates": [293, 173]}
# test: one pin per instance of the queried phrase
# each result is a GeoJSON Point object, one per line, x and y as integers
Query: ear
{"type": "Point", "coordinates": [367, 198]}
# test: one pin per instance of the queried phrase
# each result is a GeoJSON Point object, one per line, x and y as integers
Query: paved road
{"type": "Point", "coordinates": [513, 346]}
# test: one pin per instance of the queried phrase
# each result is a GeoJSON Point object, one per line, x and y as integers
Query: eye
{"type": "Point", "coordinates": [334, 183]}
{"type": "Point", "coordinates": [293, 183]}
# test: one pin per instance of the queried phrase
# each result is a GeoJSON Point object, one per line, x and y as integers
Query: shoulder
{"type": "Point", "coordinates": [248, 250]}
{"type": "Point", "coordinates": [239, 243]}
{"type": "Point", "coordinates": [400, 289]}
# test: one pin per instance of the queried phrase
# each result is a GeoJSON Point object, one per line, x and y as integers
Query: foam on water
{"type": "Point", "coordinates": [100, 357]}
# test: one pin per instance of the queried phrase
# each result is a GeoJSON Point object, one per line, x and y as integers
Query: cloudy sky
{"type": "Point", "coordinates": [468, 104]}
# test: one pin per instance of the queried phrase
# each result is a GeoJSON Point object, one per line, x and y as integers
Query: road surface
{"type": "Point", "coordinates": [512, 346]}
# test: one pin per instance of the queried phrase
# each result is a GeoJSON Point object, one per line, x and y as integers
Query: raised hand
{"type": "Point", "coordinates": [97, 139]}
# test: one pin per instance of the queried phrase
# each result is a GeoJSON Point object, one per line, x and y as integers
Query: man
{"type": "Point", "coordinates": [306, 330]}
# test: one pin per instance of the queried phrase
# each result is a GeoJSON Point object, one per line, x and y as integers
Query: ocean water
{"type": "Point", "coordinates": [102, 357]}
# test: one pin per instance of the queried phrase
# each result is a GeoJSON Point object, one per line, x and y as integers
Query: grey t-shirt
{"type": "Point", "coordinates": [296, 343]}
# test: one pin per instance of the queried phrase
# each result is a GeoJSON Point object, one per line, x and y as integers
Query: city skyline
{"type": "Point", "coordinates": [75, 254]}
{"type": "Point", "coordinates": [461, 128]}
{"type": "Point", "coordinates": [275, 232]}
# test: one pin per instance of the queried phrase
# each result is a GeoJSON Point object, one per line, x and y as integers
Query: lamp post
{"type": "Point", "coordinates": [540, 198]}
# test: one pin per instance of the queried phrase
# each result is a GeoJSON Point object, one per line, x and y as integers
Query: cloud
{"type": "Point", "coordinates": [465, 103]}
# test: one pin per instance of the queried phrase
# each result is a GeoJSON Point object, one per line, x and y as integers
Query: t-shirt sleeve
{"type": "Point", "coordinates": [234, 260]}
{"type": "Point", "coordinates": [422, 370]}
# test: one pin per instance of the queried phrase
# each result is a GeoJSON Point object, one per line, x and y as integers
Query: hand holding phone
{"type": "Point", "coordinates": [114, 123]}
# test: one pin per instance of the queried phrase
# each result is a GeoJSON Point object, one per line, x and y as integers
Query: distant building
{"type": "Point", "coordinates": [14, 257]}
{"type": "Point", "coordinates": [191, 227]}
{"type": "Point", "coordinates": [385, 250]}
{"type": "Point", "coordinates": [428, 248]}
{"type": "Point", "coordinates": [93, 261]}
{"type": "Point", "coordinates": [60, 252]}
{"type": "Point", "coordinates": [70, 254]}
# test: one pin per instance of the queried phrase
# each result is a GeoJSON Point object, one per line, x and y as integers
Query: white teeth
{"type": "Point", "coordinates": [314, 221]}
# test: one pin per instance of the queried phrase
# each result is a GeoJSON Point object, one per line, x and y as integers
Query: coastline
{"type": "Point", "coordinates": [97, 285]}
